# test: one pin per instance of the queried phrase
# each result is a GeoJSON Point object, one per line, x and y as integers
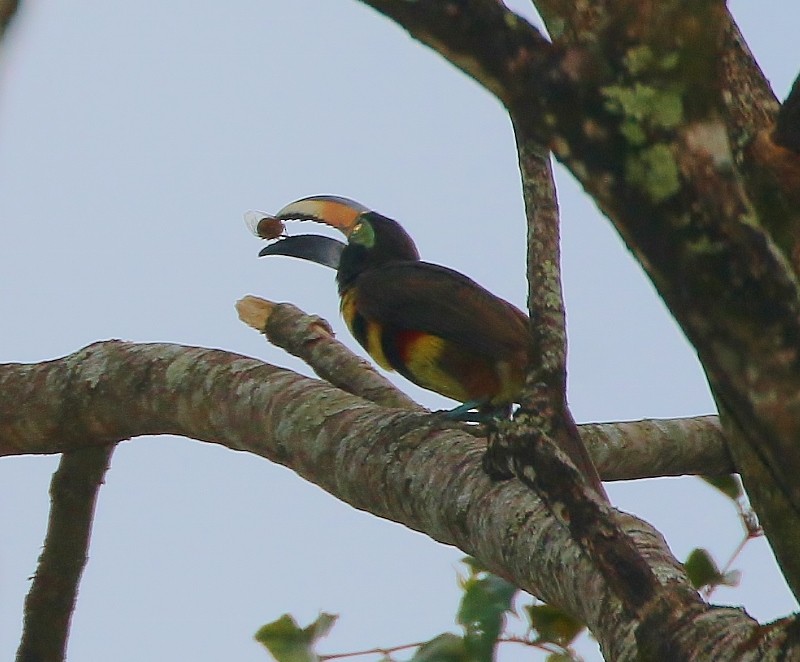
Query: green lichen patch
{"type": "Point", "coordinates": [643, 108]}
{"type": "Point", "coordinates": [654, 171]}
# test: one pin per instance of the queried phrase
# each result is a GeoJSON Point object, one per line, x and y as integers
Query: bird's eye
{"type": "Point", "coordinates": [363, 234]}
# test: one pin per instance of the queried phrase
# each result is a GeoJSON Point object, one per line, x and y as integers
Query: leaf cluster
{"type": "Point", "coordinates": [486, 602]}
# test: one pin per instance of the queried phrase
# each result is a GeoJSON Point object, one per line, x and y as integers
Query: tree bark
{"type": "Point", "coordinates": [401, 465]}
{"type": "Point", "coordinates": [648, 105]}
{"type": "Point", "coordinates": [50, 602]}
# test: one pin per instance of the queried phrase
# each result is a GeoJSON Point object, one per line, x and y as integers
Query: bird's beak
{"type": "Point", "coordinates": [333, 210]}
{"type": "Point", "coordinates": [312, 247]}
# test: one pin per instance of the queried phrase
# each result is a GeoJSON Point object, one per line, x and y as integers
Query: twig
{"type": "Point", "coordinates": [311, 339]}
{"type": "Point", "coordinates": [372, 651]}
{"type": "Point", "coordinates": [547, 647]}
{"type": "Point", "coordinates": [545, 296]}
{"type": "Point", "coordinates": [752, 530]}
{"type": "Point", "coordinates": [550, 647]}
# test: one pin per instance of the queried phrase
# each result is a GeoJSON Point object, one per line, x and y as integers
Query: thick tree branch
{"type": "Point", "coordinates": [638, 115]}
{"type": "Point", "coordinates": [51, 600]}
{"type": "Point", "coordinates": [399, 465]}
{"type": "Point", "coordinates": [621, 451]}
{"type": "Point", "coordinates": [483, 38]}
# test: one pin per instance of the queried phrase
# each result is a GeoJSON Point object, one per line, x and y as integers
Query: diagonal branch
{"type": "Point", "coordinates": [621, 451]}
{"type": "Point", "coordinates": [297, 329]}
{"type": "Point", "coordinates": [51, 600]}
{"type": "Point", "coordinates": [399, 465]}
{"type": "Point", "coordinates": [310, 338]}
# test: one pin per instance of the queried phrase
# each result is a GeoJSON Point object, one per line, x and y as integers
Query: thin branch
{"type": "Point", "coordinates": [384, 652]}
{"type": "Point", "coordinates": [546, 388]}
{"type": "Point", "coordinates": [576, 22]}
{"type": "Point", "coordinates": [51, 600]}
{"type": "Point", "coordinates": [671, 447]}
{"type": "Point", "coordinates": [545, 295]}
{"type": "Point", "coordinates": [311, 339]}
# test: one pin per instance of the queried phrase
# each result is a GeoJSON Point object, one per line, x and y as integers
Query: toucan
{"type": "Point", "coordinates": [433, 325]}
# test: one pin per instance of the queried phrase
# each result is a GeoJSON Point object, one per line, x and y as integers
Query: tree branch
{"type": "Point", "coordinates": [399, 465]}
{"type": "Point", "coordinates": [51, 600]}
{"type": "Point", "coordinates": [545, 296]}
{"type": "Point", "coordinates": [546, 388]}
{"type": "Point", "coordinates": [671, 447]}
{"type": "Point", "coordinates": [311, 339]}
{"type": "Point", "coordinates": [621, 451]}
{"type": "Point", "coordinates": [639, 117]}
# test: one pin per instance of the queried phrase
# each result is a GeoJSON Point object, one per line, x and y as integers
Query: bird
{"type": "Point", "coordinates": [433, 325]}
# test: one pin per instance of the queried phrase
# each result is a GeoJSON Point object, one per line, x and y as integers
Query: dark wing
{"type": "Point", "coordinates": [439, 301]}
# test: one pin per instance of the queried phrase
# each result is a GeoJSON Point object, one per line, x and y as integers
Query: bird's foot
{"type": "Point", "coordinates": [469, 412]}
{"type": "Point", "coordinates": [476, 411]}
{"type": "Point", "coordinates": [497, 458]}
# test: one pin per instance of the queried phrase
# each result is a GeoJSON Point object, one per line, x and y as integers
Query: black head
{"type": "Point", "coordinates": [375, 240]}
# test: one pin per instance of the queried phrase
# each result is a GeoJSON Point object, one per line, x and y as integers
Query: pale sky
{"type": "Point", "coordinates": [132, 138]}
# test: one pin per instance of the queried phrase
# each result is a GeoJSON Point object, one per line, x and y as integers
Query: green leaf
{"type": "Point", "coordinates": [446, 647]}
{"type": "Point", "coordinates": [486, 599]}
{"type": "Point", "coordinates": [728, 484]}
{"type": "Point", "coordinates": [287, 642]}
{"type": "Point", "coordinates": [474, 565]}
{"type": "Point", "coordinates": [554, 625]}
{"type": "Point", "coordinates": [702, 569]}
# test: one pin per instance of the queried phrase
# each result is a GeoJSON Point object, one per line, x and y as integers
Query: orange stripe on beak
{"type": "Point", "coordinates": [333, 210]}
